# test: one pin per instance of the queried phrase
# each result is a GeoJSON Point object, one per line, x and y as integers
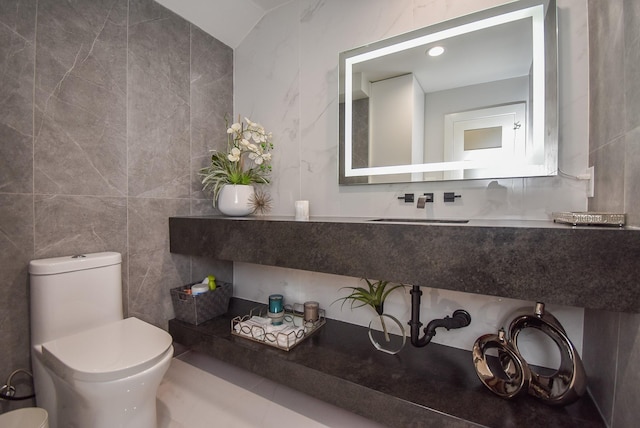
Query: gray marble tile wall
{"type": "Point", "coordinates": [611, 345]}
{"type": "Point", "coordinates": [614, 142]}
{"type": "Point", "coordinates": [17, 59]}
{"type": "Point", "coordinates": [359, 139]}
{"type": "Point", "coordinates": [107, 110]}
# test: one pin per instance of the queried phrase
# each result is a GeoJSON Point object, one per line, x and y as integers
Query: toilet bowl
{"type": "Point", "coordinates": [91, 367]}
{"type": "Point", "coordinates": [113, 370]}
{"type": "Point", "coordinates": [28, 417]}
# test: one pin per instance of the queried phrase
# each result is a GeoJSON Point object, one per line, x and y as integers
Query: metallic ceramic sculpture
{"type": "Point", "coordinates": [510, 375]}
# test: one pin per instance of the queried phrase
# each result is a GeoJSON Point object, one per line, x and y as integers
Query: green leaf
{"type": "Point", "coordinates": [375, 295]}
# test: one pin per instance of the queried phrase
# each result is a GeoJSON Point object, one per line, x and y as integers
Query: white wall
{"type": "Point", "coordinates": [286, 77]}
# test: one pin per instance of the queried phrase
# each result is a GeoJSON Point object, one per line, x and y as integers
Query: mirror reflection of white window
{"type": "Point", "coordinates": [482, 138]}
{"type": "Point", "coordinates": [495, 135]}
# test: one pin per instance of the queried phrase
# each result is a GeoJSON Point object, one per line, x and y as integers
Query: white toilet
{"type": "Point", "coordinates": [28, 417]}
{"type": "Point", "coordinates": [91, 367]}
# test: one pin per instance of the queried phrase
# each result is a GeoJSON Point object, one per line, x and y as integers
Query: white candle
{"type": "Point", "coordinates": [302, 210]}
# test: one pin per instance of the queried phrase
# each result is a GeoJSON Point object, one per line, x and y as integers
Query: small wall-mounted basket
{"type": "Point", "coordinates": [201, 307]}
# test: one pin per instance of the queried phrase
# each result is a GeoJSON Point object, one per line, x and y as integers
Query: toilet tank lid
{"type": "Point", "coordinates": [58, 265]}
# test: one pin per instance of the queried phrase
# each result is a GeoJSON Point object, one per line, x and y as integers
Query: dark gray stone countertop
{"type": "Point", "coordinates": [434, 386]}
{"type": "Point", "coordinates": [590, 267]}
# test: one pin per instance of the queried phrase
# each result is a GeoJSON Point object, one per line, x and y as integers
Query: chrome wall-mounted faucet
{"type": "Point", "coordinates": [426, 198]}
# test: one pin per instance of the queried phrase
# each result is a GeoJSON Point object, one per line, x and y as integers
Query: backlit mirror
{"type": "Point", "coordinates": [470, 98]}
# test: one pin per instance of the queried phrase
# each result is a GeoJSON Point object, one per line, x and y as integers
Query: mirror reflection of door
{"type": "Point", "coordinates": [495, 135]}
{"type": "Point", "coordinates": [396, 123]}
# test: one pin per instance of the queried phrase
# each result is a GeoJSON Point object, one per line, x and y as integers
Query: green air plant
{"type": "Point", "coordinates": [374, 296]}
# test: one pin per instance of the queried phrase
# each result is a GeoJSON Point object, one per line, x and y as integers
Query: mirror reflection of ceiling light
{"type": "Point", "coordinates": [436, 51]}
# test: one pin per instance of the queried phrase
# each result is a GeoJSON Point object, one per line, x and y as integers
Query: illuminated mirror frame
{"type": "Point", "coordinates": [470, 23]}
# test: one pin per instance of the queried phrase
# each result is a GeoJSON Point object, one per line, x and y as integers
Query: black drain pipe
{"type": "Point", "coordinates": [459, 319]}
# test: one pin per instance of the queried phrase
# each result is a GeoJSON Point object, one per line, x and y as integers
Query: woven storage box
{"type": "Point", "coordinates": [202, 307]}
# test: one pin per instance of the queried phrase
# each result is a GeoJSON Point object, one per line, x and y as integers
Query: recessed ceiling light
{"type": "Point", "coordinates": [436, 51]}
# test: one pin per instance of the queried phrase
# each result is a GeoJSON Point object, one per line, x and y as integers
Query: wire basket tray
{"type": "Point", "coordinates": [590, 218]}
{"type": "Point", "coordinates": [293, 330]}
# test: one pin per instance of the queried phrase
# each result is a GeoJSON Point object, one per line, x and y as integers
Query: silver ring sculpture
{"type": "Point", "coordinates": [514, 377]}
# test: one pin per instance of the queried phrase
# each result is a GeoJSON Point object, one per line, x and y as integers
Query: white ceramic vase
{"type": "Point", "coordinates": [234, 200]}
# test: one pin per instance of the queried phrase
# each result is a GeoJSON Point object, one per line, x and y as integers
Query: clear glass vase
{"type": "Point", "coordinates": [387, 334]}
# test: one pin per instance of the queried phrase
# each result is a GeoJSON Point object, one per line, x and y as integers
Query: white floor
{"type": "Point", "coordinates": [200, 391]}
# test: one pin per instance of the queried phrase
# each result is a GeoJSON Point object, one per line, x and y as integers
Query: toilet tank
{"type": "Point", "coordinates": [74, 293]}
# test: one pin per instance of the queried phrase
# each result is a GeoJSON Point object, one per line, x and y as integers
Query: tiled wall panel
{"type": "Point", "coordinates": [627, 393]}
{"type": "Point", "coordinates": [17, 56]}
{"type": "Point", "coordinates": [16, 249]}
{"type": "Point", "coordinates": [17, 26]}
{"type": "Point", "coordinates": [158, 107]}
{"type": "Point", "coordinates": [612, 341]}
{"type": "Point", "coordinates": [80, 93]}
{"type": "Point", "coordinates": [153, 271]}
{"type": "Point", "coordinates": [108, 86]}
{"type": "Point", "coordinates": [208, 114]}
{"type": "Point", "coordinates": [606, 101]}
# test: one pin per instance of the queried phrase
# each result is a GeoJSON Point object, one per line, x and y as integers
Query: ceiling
{"type": "Point", "coordinates": [227, 20]}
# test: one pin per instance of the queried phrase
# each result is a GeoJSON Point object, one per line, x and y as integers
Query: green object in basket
{"type": "Point", "coordinates": [212, 282]}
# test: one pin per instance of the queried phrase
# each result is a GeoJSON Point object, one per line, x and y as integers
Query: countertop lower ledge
{"type": "Point", "coordinates": [419, 387]}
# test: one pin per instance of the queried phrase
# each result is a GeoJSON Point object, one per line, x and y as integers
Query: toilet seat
{"type": "Point", "coordinates": [109, 352]}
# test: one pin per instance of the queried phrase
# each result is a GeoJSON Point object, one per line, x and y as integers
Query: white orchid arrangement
{"type": "Point", "coordinates": [247, 160]}
{"type": "Point", "coordinates": [241, 142]}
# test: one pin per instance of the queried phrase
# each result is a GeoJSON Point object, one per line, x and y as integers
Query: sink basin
{"type": "Point", "coordinates": [420, 220]}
